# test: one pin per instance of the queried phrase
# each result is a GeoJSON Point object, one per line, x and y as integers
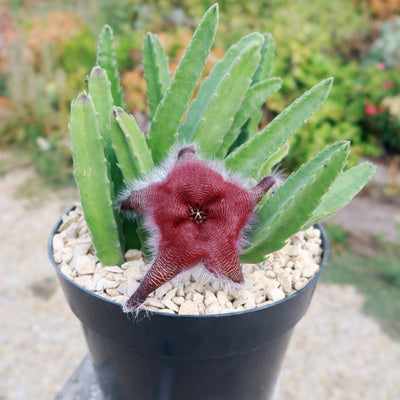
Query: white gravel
{"type": "Point", "coordinates": [336, 352]}
{"type": "Point", "coordinates": [194, 292]}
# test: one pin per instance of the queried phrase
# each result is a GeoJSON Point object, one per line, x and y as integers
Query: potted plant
{"type": "Point", "coordinates": [201, 178]}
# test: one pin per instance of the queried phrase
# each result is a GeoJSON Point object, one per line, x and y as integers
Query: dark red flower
{"type": "Point", "coordinates": [199, 217]}
{"type": "Point", "coordinates": [380, 66]}
{"type": "Point", "coordinates": [371, 109]}
{"type": "Point", "coordinates": [388, 85]}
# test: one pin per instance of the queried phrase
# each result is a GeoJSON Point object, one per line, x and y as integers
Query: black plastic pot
{"type": "Point", "coordinates": [235, 356]}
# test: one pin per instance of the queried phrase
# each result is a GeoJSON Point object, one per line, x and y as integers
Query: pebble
{"type": "Point", "coordinates": [170, 294]}
{"type": "Point", "coordinates": [100, 271]}
{"type": "Point", "coordinates": [133, 254]}
{"type": "Point", "coordinates": [85, 265]}
{"type": "Point", "coordinates": [58, 257]}
{"type": "Point", "coordinates": [300, 283]}
{"type": "Point", "coordinates": [163, 290]}
{"type": "Point", "coordinates": [103, 284]}
{"type": "Point", "coordinates": [171, 305]}
{"type": "Point", "coordinates": [67, 254]}
{"type": "Point", "coordinates": [283, 272]}
{"type": "Point", "coordinates": [210, 298]}
{"type": "Point", "coordinates": [58, 243]}
{"type": "Point", "coordinates": [133, 273]}
{"type": "Point", "coordinates": [86, 282]}
{"type": "Point", "coordinates": [198, 298]}
{"type": "Point", "coordinates": [137, 264]}
{"type": "Point", "coordinates": [72, 232]}
{"type": "Point", "coordinates": [258, 298]}
{"type": "Point", "coordinates": [202, 308]}
{"type": "Point", "coordinates": [178, 300]}
{"type": "Point", "coordinates": [108, 284]}
{"type": "Point", "coordinates": [270, 274]}
{"type": "Point", "coordinates": [180, 291]}
{"type": "Point", "coordinates": [189, 296]}
{"type": "Point", "coordinates": [250, 303]}
{"type": "Point", "coordinates": [309, 270]}
{"type": "Point", "coordinates": [296, 274]}
{"type": "Point", "coordinates": [285, 279]}
{"type": "Point", "coordinates": [189, 308]}
{"type": "Point", "coordinates": [213, 308]}
{"type": "Point", "coordinates": [83, 231]}
{"type": "Point", "coordinates": [79, 250]}
{"type": "Point", "coordinates": [293, 250]}
{"type": "Point", "coordinates": [66, 270]}
{"type": "Point", "coordinates": [166, 311]}
{"type": "Point", "coordinates": [198, 287]}
{"type": "Point", "coordinates": [120, 299]}
{"type": "Point", "coordinates": [113, 292]}
{"type": "Point", "coordinates": [68, 220]}
{"type": "Point", "coordinates": [115, 269]}
{"type": "Point", "coordinates": [151, 308]}
{"type": "Point", "coordinates": [128, 288]}
{"type": "Point", "coordinates": [222, 298]}
{"type": "Point", "coordinates": [153, 302]}
{"type": "Point", "coordinates": [275, 294]}
{"type": "Point", "coordinates": [119, 278]}
{"type": "Point", "coordinates": [247, 268]}
{"type": "Point", "coordinates": [239, 302]}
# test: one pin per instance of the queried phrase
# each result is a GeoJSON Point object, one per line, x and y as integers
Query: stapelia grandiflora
{"type": "Point", "coordinates": [198, 216]}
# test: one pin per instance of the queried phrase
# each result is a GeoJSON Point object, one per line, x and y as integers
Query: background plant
{"type": "Point", "coordinates": [379, 90]}
{"type": "Point", "coordinates": [386, 49]}
{"type": "Point", "coordinates": [310, 40]}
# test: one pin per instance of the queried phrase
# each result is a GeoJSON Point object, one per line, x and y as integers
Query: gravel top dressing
{"type": "Point", "coordinates": [193, 292]}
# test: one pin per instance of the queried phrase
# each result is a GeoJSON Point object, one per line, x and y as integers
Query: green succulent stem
{"type": "Point", "coordinates": [110, 151]}
{"type": "Point", "coordinates": [219, 116]}
{"type": "Point", "coordinates": [293, 204]}
{"type": "Point", "coordinates": [209, 88]}
{"type": "Point", "coordinates": [345, 187]}
{"type": "Point", "coordinates": [106, 59]}
{"type": "Point", "coordinates": [247, 158]}
{"type": "Point", "coordinates": [157, 74]}
{"type": "Point", "coordinates": [255, 97]}
{"type": "Point", "coordinates": [130, 145]}
{"type": "Point", "coordinates": [92, 176]}
{"type": "Point", "coordinates": [172, 107]}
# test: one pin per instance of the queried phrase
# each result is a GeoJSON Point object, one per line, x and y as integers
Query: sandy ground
{"type": "Point", "coordinates": [336, 351]}
{"type": "Point", "coordinates": [41, 341]}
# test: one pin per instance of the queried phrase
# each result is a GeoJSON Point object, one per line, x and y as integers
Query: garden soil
{"type": "Point", "coordinates": [336, 353]}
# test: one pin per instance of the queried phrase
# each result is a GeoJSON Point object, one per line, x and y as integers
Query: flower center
{"type": "Point", "coordinates": [197, 213]}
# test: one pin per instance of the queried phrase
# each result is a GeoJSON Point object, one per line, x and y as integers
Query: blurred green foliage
{"type": "Point", "coordinates": [381, 88]}
{"type": "Point", "coordinates": [386, 48]}
{"type": "Point", "coordinates": [48, 46]}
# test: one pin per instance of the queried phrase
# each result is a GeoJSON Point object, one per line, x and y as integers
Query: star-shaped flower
{"type": "Point", "coordinates": [198, 216]}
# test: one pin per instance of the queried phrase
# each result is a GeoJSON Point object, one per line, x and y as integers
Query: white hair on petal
{"type": "Point", "coordinates": [243, 239]}
{"type": "Point", "coordinates": [157, 174]}
{"type": "Point", "coordinates": [228, 175]}
{"type": "Point", "coordinates": [211, 281]}
{"type": "Point", "coordinates": [280, 176]}
{"type": "Point", "coordinates": [218, 166]}
{"type": "Point", "coordinates": [218, 282]}
{"type": "Point", "coordinates": [139, 314]}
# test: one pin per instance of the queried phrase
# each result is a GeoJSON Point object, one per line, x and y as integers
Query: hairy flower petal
{"type": "Point", "coordinates": [199, 217]}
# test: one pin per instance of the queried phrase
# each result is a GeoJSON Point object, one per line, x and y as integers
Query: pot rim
{"type": "Point", "coordinates": [325, 256]}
